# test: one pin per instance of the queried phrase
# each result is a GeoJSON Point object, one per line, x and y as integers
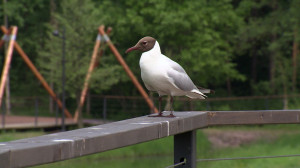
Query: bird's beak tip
{"type": "Point", "coordinates": [131, 49]}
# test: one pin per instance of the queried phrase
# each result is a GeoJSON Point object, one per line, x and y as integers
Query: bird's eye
{"type": "Point", "coordinates": [144, 42]}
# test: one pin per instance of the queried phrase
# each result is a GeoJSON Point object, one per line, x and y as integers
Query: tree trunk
{"type": "Point", "coordinates": [228, 82]}
{"type": "Point", "coordinates": [273, 54]}
{"type": "Point", "coordinates": [52, 10]}
{"type": "Point", "coordinates": [88, 103]}
{"type": "Point", "coordinates": [254, 66]}
{"type": "Point", "coordinates": [294, 59]}
{"type": "Point", "coordinates": [52, 22]}
{"type": "Point", "coordinates": [51, 102]}
{"type": "Point", "coordinates": [272, 66]}
{"type": "Point", "coordinates": [272, 71]}
{"type": "Point", "coordinates": [253, 69]}
{"type": "Point", "coordinates": [80, 120]}
{"type": "Point", "coordinates": [285, 94]}
{"type": "Point", "coordinates": [284, 80]}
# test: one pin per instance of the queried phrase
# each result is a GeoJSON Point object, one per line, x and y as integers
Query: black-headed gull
{"type": "Point", "coordinates": [163, 75]}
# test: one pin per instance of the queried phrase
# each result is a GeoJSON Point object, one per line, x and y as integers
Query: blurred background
{"type": "Point", "coordinates": [245, 50]}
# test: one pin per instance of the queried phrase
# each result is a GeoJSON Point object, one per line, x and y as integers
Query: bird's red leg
{"type": "Point", "coordinates": [171, 114]}
{"type": "Point", "coordinates": [159, 104]}
{"type": "Point", "coordinates": [159, 109]}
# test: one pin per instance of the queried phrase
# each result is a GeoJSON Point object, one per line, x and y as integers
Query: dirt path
{"type": "Point", "coordinates": [221, 138]}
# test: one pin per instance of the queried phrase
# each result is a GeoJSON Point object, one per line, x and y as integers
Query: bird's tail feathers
{"type": "Point", "coordinates": [204, 90]}
{"type": "Point", "coordinates": [196, 94]}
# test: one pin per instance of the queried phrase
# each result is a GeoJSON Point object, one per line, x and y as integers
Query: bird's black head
{"type": "Point", "coordinates": [144, 44]}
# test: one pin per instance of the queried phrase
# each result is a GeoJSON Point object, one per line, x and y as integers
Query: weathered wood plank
{"type": "Point", "coordinates": [71, 144]}
{"type": "Point", "coordinates": [253, 117]}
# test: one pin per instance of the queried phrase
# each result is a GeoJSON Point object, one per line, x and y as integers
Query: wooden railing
{"type": "Point", "coordinates": [81, 142]}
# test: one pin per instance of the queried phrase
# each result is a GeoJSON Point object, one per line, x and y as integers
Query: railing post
{"type": "Point", "coordinates": [185, 149]}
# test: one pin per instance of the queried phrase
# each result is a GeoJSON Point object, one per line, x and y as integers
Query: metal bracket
{"type": "Point", "coordinates": [185, 149]}
{"type": "Point", "coordinates": [13, 37]}
{"type": "Point", "coordinates": [98, 37]}
{"type": "Point", "coordinates": [106, 38]}
{"type": "Point", "coordinates": [5, 37]}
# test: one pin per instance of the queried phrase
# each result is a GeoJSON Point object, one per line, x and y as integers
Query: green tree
{"type": "Point", "coordinates": [80, 20]}
{"type": "Point", "coordinates": [268, 34]}
{"type": "Point", "coordinates": [197, 34]}
{"type": "Point", "coordinates": [30, 17]}
{"type": "Point", "coordinates": [272, 26]}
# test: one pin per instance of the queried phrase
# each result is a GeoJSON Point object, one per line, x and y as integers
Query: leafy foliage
{"type": "Point", "coordinates": [267, 35]}
{"type": "Point", "coordinates": [197, 34]}
{"type": "Point", "coordinates": [244, 43]}
{"type": "Point", "coordinates": [78, 19]}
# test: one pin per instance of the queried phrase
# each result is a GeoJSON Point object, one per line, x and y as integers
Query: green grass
{"type": "Point", "coordinates": [12, 135]}
{"type": "Point", "coordinates": [285, 145]}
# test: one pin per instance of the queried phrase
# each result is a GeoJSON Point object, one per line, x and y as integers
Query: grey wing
{"type": "Point", "coordinates": [180, 77]}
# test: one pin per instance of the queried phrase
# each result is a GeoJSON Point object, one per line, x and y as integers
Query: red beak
{"type": "Point", "coordinates": [131, 49]}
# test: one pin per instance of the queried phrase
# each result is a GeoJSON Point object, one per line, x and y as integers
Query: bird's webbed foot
{"type": "Point", "coordinates": [171, 115]}
{"type": "Point", "coordinates": [156, 115]}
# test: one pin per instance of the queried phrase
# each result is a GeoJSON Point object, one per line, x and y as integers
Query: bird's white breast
{"type": "Point", "coordinates": [152, 71]}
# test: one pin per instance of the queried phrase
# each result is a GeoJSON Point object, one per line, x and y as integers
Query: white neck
{"type": "Point", "coordinates": [150, 56]}
{"type": "Point", "coordinates": [155, 49]}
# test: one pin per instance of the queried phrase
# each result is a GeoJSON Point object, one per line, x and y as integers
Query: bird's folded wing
{"type": "Point", "coordinates": [179, 77]}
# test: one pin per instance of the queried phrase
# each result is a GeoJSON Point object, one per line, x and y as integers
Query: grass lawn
{"type": "Point", "coordinates": [12, 135]}
{"type": "Point", "coordinates": [269, 140]}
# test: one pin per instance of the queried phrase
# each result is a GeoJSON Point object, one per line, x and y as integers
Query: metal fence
{"type": "Point", "coordinates": [31, 112]}
{"type": "Point", "coordinates": [110, 106]}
